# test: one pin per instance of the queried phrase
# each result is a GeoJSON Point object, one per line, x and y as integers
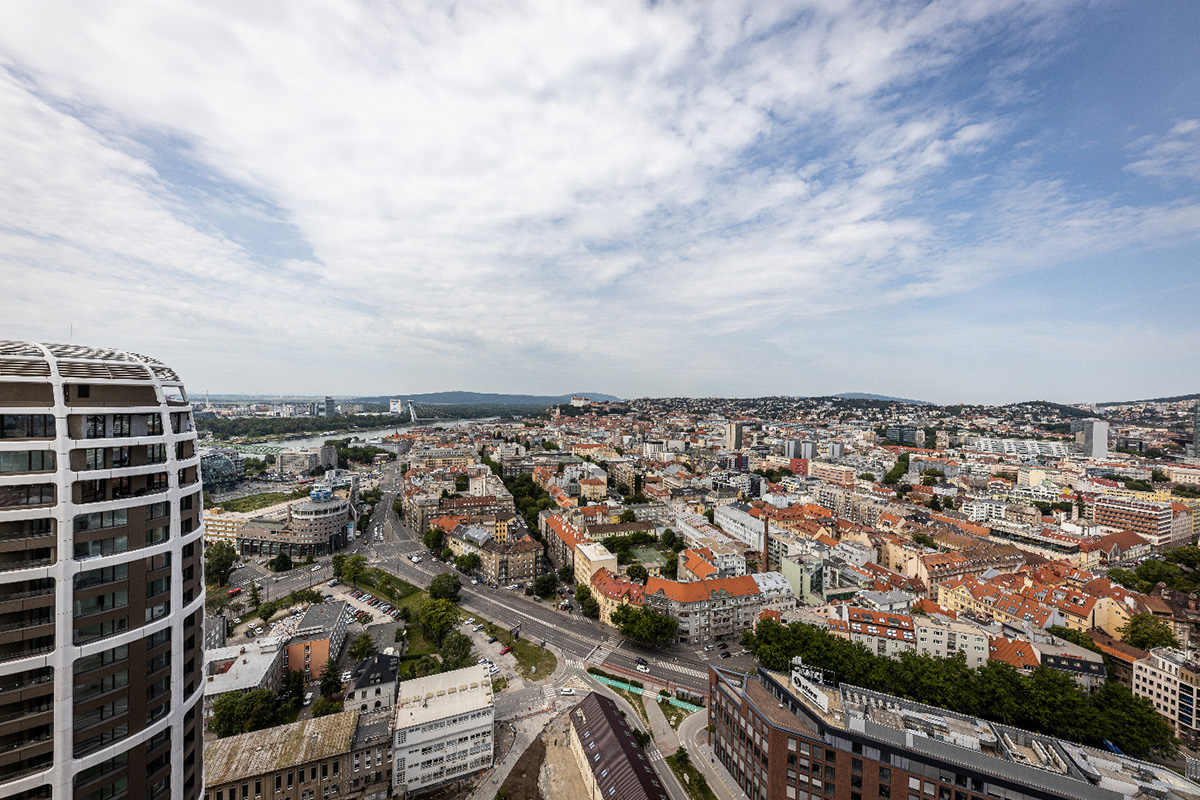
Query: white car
{"type": "Point", "coordinates": [642, 668]}
{"type": "Point", "coordinates": [567, 690]}
{"type": "Point", "coordinates": [474, 582]}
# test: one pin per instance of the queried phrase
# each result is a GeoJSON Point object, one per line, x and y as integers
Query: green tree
{"type": "Point", "coordinates": [445, 586]}
{"type": "Point", "coordinates": [254, 597]}
{"type": "Point", "coordinates": [353, 568]}
{"type": "Point", "coordinates": [437, 617]}
{"type": "Point", "coordinates": [644, 624]}
{"type": "Point", "coordinates": [1146, 632]}
{"type": "Point", "coordinates": [637, 572]}
{"type": "Point", "coordinates": [339, 561]}
{"type": "Point", "coordinates": [710, 515]}
{"type": "Point", "coordinates": [627, 515]}
{"type": "Point", "coordinates": [281, 562]}
{"type": "Point", "coordinates": [292, 687]}
{"type": "Point", "coordinates": [362, 648]}
{"type": "Point", "coordinates": [566, 574]}
{"type": "Point", "coordinates": [587, 604]}
{"type": "Point", "coordinates": [435, 539]}
{"type": "Point", "coordinates": [218, 563]}
{"type": "Point", "coordinates": [1158, 476]}
{"type": "Point", "coordinates": [469, 563]}
{"type": "Point", "coordinates": [867, 476]}
{"type": "Point", "coordinates": [668, 538]}
{"type": "Point", "coordinates": [934, 504]}
{"type": "Point", "coordinates": [324, 706]}
{"type": "Point", "coordinates": [242, 712]}
{"type": "Point", "coordinates": [545, 585]}
{"type": "Point", "coordinates": [331, 681]}
{"type": "Point", "coordinates": [455, 651]}
{"type": "Point", "coordinates": [267, 610]}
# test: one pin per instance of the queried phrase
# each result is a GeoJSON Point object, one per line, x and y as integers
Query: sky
{"type": "Point", "coordinates": [969, 201]}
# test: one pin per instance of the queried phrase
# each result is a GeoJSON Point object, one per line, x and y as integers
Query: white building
{"type": "Point", "coordinates": [443, 728]}
{"type": "Point", "coordinates": [775, 591]}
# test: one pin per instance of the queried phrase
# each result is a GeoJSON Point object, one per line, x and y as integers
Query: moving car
{"type": "Point", "coordinates": [643, 668]}
{"type": "Point", "coordinates": [567, 690]}
{"type": "Point", "coordinates": [639, 660]}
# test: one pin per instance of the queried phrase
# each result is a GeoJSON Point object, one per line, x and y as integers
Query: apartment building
{"type": "Point", "coordinates": [707, 611]}
{"type": "Point", "coordinates": [611, 591]}
{"type": "Point", "coordinates": [373, 683]}
{"type": "Point", "coordinates": [589, 559]}
{"type": "Point", "coordinates": [101, 601]}
{"type": "Point", "coordinates": [1160, 523]}
{"type": "Point", "coordinates": [1171, 681]}
{"type": "Point", "coordinates": [832, 473]}
{"type": "Point", "coordinates": [242, 668]}
{"type": "Point", "coordinates": [443, 728]}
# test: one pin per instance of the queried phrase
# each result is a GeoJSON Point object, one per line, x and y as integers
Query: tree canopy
{"type": "Point", "coordinates": [331, 680]}
{"type": "Point", "coordinates": [435, 539]}
{"type": "Point", "coordinates": [644, 624]}
{"type": "Point", "coordinates": [242, 712]}
{"type": "Point", "coordinates": [363, 647]}
{"type": "Point", "coordinates": [445, 586]}
{"type": "Point", "coordinates": [1048, 701]}
{"type": "Point", "coordinates": [218, 563]}
{"type": "Point", "coordinates": [637, 572]}
{"type": "Point", "coordinates": [587, 604]}
{"type": "Point", "coordinates": [281, 562]}
{"type": "Point", "coordinates": [469, 562]}
{"type": "Point", "coordinates": [545, 585]}
{"type": "Point", "coordinates": [455, 650]}
{"type": "Point", "coordinates": [437, 617]}
{"type": "Point", "coordinates": [353, 568]}
{"type": "Point", "coordinates": [1146, 632]}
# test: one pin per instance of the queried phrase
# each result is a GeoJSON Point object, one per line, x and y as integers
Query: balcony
{"type": "Point", "coordinates": [27, 648]}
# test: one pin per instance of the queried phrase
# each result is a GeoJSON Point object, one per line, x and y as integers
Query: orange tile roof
{"type": "Point", "coordinates": [698, 591]}
{"type": "Point", "coordinates": [1012, 651]}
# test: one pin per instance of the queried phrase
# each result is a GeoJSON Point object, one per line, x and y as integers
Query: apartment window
{"type": "Point", "coordinates": [93, 426]}
{"type": "Point", "coordinates": [27, 461]}
{"type": "Point", "coordinates": [258, 787]}
{"type": "Point", "coordinates": [289, 780]}
{"type": "Point", "coordinates": [101, 547]}
{"type": "Point", "coordinates": [102, 519]}
{"type": "Point", "coordinates": [154, 426]}
{"type": "Point", "coordinates": [26, 426]}
{"type": "Point", "coordinates": [156, 454]}
{"type": "Point", "coordinates": [100, 603]}
{"type": "Point", "coordinates": [279, 783]}
{"type": "Point", "coordinates": [36, 494]}
{"type": "Point", "coordinates": [245, 791]}
{"type": "Point", "coordinates": [120, 457]}
{"type": "Point", "coordinates": [93, 458]}
{"type": "Point", "coordinates": [122, 425]}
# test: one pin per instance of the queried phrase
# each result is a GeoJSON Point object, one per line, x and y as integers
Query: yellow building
{"type": "Point", "coordinates": [589, 558]}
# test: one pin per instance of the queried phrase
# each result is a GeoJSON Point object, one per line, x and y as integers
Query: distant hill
{"type": "Point", "coordinates": [487, 399]}
{"type": "Point", "coordinates": [882, 398]}
{"type": "Point", "coordinates": [1176, 399]}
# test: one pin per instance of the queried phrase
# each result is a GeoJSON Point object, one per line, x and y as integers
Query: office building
{"type": "Point", "coordinates": [791, 448]}
{"type": "Point", "coordinates": [101, 600]}
{"type": "Point", "coordinates": [808, 450]}
{"type": "Point", "coordinates": [610, 759]}
{"type": "Point", "coordinates": [1196, 429]}
{"type": "Point", "coordinates": [733, 436]}
{"type": "Point", "coordinates": [849, 743]}
{"type": "Point", "coordinates": [836, 450]}
{"type": "Point", "coordinates": [1095, 438]}
{"type": "Point", "coordinates": [443, 728]}
{"type": "Point", "coordinates": [329, 409]}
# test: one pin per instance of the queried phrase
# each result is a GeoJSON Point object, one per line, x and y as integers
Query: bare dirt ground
{"type": "Point", "coordinates": [561, 777]}
{"type": "Point", "coordinates": [522, 782]}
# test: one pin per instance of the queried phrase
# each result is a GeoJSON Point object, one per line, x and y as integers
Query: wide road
{"type": "Point", "coordinates": [584, 641]}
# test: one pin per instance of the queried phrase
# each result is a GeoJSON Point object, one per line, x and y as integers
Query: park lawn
{"type": "Point", "coordinates": [254, 502]}
{"type": "Point", "coordinates": [693, 782]}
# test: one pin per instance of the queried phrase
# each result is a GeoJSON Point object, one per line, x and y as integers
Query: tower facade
{"type": "Point", "coordinates": [101, 577]}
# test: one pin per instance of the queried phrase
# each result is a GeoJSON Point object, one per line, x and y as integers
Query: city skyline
{"type": "Point", "coordinates": [950, 202]}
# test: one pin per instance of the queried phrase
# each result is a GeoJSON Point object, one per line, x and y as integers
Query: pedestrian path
{"type": "Point", "coordinates": [695, 673]}
{"type": "Point", "coordinates": [571, 662]}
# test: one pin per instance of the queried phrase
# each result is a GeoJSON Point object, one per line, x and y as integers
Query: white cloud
{"type": "Point", "coordinates": [517, 196]}
{"type": "Point", "coordinates": [1173, 155]}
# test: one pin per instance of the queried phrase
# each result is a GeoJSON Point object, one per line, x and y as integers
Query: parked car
{"type": "Point", "coordinates": [308, 699]}
{"type": "Point", "coordinates": [491, 639]}
{"type": "Point", "coordinates": [723, 646]}
{"type": "Point", "coordinates": [726, 654]}
{"type": "Point", "coordinates": [567, 690]}
{"type": "Point", "coordinates": [506, 649]}
{"type": "Point", "coordinates": [333, 582]}
{"type": "Point", "coordinates": [478, 627]}
{"type": "Point", "coordinates": [708, 648]}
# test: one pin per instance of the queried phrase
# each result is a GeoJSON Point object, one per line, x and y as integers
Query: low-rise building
{"type": "Point", "coordinates": [443, 728]}
{"type": "Point", "coordinates": [613, 764]}
{"type": "Point", "coordinates": [318, 638]}
{"type": "Point", "coordinates": [242, 668]}
{"type": "Point", "coordinates": [287, 762]}
{"type": "Point", "coordinates": [373, 684]}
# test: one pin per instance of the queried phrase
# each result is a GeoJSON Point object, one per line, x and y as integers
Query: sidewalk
{"type": "Point", "coordinates": [664, 735]}
{"type": "Point", "coordinates": [694, 738]}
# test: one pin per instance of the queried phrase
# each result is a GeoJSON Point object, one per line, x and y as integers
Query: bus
{"type": "Point", "coordinates": [235, 591]}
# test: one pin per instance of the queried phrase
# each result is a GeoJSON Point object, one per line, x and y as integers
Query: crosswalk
{"type": "Point", "coordinates": [599, 654]}
{"type": "Point", "coordinates": [549, 693]}
{"type": "Point", "coordinates": [695, 673]}
{"type": "Point", "coordinates": [571, 662]}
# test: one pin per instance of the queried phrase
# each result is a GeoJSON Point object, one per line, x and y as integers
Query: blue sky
{"type": "Point", "coordinates": [976, 201]}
